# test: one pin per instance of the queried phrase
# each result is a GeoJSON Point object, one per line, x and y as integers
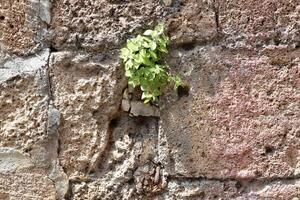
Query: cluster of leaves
{"type": "Point", "coordinates": [144, 65]}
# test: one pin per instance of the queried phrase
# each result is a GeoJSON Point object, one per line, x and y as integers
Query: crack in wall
{"type": "Point", "coordinates": [258, 180]}
{"type": "Point", "coordinates": [216, 10]}
{"type": "Point", "coordinates": [56, 172]}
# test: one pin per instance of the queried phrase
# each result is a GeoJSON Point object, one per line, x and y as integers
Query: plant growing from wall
{"type": "Point", "coordinates": [144, 65]}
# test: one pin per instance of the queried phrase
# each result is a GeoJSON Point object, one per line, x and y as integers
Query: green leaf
{"type": "Point", "coordinates": [152, 45]}
{"type": "Point", "coordinates": [125, 54]}
{"type": "Point", "coordinates": [142, 58]}
{"type": "Point", "coordinates": [162, 42]}
{"type": "Point", "coordinates": [163, 49]}
{"type": "Point", "coordinates": [153, 55]}
{"type": "Point", "coordinates": [154, 34]}
{"type": "Point", "coordinates": [132, 46]}
{"type": "Point", "coordinates": [139, 39]}
{"type": "Point", "coordinates": [147, 39]}
{"type": "Point", "coordinates": [166, 39]}
{"type": "Point", "coordinates": [145, 44]}
{"type": "Point", "coordinates": [129, 73]}
{"type": "Point", "coordinates": [129, 64]}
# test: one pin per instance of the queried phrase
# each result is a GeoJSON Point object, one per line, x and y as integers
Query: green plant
{"type": "Point", "coordinates": [144, 64]}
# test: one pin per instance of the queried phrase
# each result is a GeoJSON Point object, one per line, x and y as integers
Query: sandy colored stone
{"type": "Point", "coordinates": [193, 22]}
{"type": "Point", "coordinates": [23, 102]}
{"type": "Point", "coordinates": [23, 25]}
{"type": "Point", "coordinates": [12, 66]}
{"type": "Point", "coordinates": [19, 179]}
{"type": "Point", "coordinates": [194, 189]}
{"type": "Point", "coordinates": [251, 24]}
{"type": "Point", "coordinates": [128, 160]}
{"type": "Point", "coordinates": [27, 186]}
{"type": "Point", "coordinates": [240, 120]}
{"type": "Point", "coordinates": [87, 91]}
{"type": "Point", "coordinates": [101, 24]}
{"type": "Point", "coordinates": [125, 105]}
{"type": "Point", "coordinates": [13, 160]}
{"type": "Point", "coordinates": [138, 108]}
{"type": "Point", "coordinates": [233, 133]}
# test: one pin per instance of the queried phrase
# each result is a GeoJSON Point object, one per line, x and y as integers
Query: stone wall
{"type": "Point", "coordinates": [71, 129]}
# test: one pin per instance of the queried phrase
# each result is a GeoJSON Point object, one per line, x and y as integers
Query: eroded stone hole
{"type": "Point", "coordinates": [53, 49]}
{"type": "Point", "coordinates": [269, 150]}
{"type": "Point", "coordinates": [141, 120]}
{"type": "Point", "coordinates": [2, 17]}
{"type": "Point", "coordinates": [183, 91]}
{"type": "Point", "coordinates": [188, 45]}
{"type": "Point", "coordinates": [114, 123]}
{"type": "Point", "coordinates": [238, 185]}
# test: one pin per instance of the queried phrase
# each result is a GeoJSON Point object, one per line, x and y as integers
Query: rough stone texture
{"type": "Point", "coordinates": [70, 127]}
{"type": "Point", "coordinates": [23, 25]}
{"type": "Point", "coordinates": [129, 161]}
{"type": "Point", "coordinates": [95, 83]}
{"type": "Point", "coordinates": [102, 24]}
{"type": "Point", "coordinates": [26, 185]}
{"type": "Point", "coordinates": [213, 189]}
{"type": "Point", "coordinates": [247, 114]}
{"type": "Point", "coordinates": [255, 24]}
{"type": "Point", "coordinates": [194, 23]}
{"type": "Point", "coordinates": [23, 101]}
{"type": "Point", "coordinates": [20, 180]}
{"type": "Point", "coordinates": [141, 109]}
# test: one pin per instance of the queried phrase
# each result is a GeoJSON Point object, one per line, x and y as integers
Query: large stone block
{"type": "Point", "coordinates": [101, 24]}
{"type": "Point", "coordinates": [195, 189]}
{"type": "Point", "coordinates": [23, 25]}
{"type": "Point", "coordinates": [194, 22]}
{"type": "Point", "coordinates": [23, 101]}
{"type": "Point", "coordinates": [255, 24]}
{"type": "Point", "coordinates": [20, 180]}
{"type": "Point", "coordinates": [240, 120]}
{"type": "Point", "coordinates": [87, 91]}
{"type": "Point", "coordinates": [26, 186]}
{"type": "Point", "coordinates": [128, 167]}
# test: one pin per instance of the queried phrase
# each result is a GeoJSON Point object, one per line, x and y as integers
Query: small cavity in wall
{"type": "Point", "coordinates": [135, 107]}
{"type": "Point", "coordinates": [132, 103]}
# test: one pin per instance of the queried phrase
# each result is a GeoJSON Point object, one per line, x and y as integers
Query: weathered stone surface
{"type": "Point", "coordinates": [141, 109]}
{"type": "Point", "coordinates": [87, 90]}
{"type": "Point", "coordinates": [255, 24]}
{"type": "Point", "coordinates": [12, 66]}
{"type": "Point", "coordinates": [241, 119]}
{"type": "Point", "coordinates": [125, 105]}
{"type": "Point", "coordinates": [30, 125]}
{"type": "Point", "coordinates": [194, 189]}
{"type": "Point", "coordinates": [289, 189]}
{"type": "Point", "coordinates": [27, 186]}
{"type": "Point", "coordinates": [101, 24]}
{"type": "Point", "coordinates": [45, 154]}
{"type": "Point", "coordinates": [128, 161]}
{"type": "Point", "coordinates": [69, 130]}
{"type": "Point", "coordinates": [194, 22]}
{"type": "Point", "coordinates": [23, 25]}
{"type": "Point", "coordinates": [13, 160]}
{"type": "Point", "coordinates": [23, 101]}
{"type": "Point", "coordinates": [20, 180]}
{"type": "Point", "coordinates": [200, 189]}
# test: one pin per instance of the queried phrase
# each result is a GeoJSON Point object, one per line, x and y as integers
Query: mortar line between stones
{"type": "Point", "coordinates": [50, 92]}
{"type": "Point", "coordinates": [51, 104]}
{"type": "Point", "coordinates": [258, 180]}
